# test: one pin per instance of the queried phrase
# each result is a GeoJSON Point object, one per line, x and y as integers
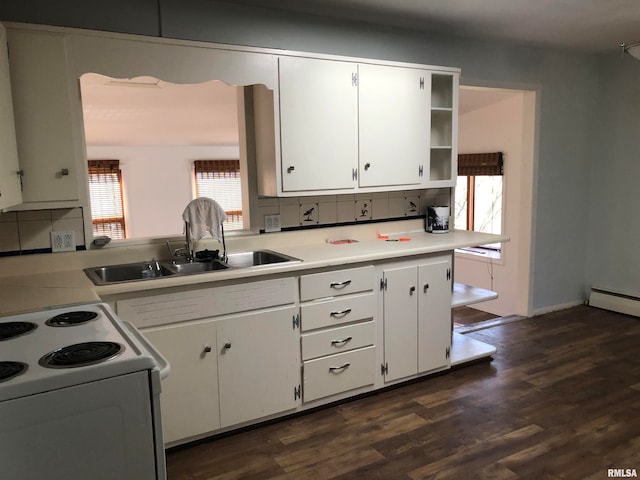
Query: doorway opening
{"type": "Point", "coordinates": [500, 120]}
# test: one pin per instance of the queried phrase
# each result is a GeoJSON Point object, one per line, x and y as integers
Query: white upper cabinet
{"type": "Point", "coordinates": [394, 125]}
{"type": "Point", "coordinates": [335, 127]}
{"type": "Point", "coordinates": [47, 135]}
{"type": "Point", "coordinates": [318, 124]}
{"type": "Point", "coordinates": [10, 193]}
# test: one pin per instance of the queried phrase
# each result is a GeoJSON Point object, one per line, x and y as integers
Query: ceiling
{"type": "Point", "coordinates": [588, 25]}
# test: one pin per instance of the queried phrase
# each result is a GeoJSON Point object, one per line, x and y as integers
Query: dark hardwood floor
{"type": "Point", "coordinates": [560, 400]}
{"type": "Point", "coordinates": [464, 316]}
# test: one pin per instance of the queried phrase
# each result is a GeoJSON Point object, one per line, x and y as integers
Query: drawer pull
{"type": "Point", "coordinates": [339, 285]}
{"type": "Point", "coordinates": [341, 343]}
{"type": "Point", "coordinates": [341, 313]}
{"type": "Point", "coordinates": [339, 369]}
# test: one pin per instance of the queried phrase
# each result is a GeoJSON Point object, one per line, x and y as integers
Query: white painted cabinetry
{"type": "Point", "coordinates": [443, 154]}
{"type": "Point", "coordinates": [417, 317]}
{"type": "Point", "coordinates": [10, 192]}
{"type": "Point", "coordinates": [393, 125]}
{"type": "Point", "coordinates": [258, 364]}
{"type": "Point", "coordinates": [46, 129]}
{"type": "Point", "coordinates": [189, 397]}
{"type": "Point", "coordinates": [334, 126]}
{"type": "Point", "coordinates": [234, 352]}
{"type": "Point", "coordinates": [338, 314]}
{"type": "Point", "coordinates": [318, 102]}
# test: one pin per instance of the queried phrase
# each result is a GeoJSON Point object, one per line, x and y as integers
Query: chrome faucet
{"type": "Point", "coordinates": [184, 252]}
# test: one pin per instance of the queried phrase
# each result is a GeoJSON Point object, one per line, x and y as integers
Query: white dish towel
{"type": "Point", "coordinates": [204, 215]}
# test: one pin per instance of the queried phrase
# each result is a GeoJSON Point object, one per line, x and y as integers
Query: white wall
{"type": "Point", "coordinates": [501, 126]}
{"type": "Point", "coordinates": [157, 183]}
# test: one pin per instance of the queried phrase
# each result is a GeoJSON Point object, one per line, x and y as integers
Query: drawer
{"type": "Point", "coordinates": [337, 340]}
{"type": "Point", "coordinates": [328, 313]}
{"type": "Point", "coordinates": [338, 282]}
{"type": "Point", "coordinates": [327, 376]}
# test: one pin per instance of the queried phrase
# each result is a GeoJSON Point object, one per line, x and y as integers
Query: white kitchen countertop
{"type": "Point", "coordinates": [65, 283]}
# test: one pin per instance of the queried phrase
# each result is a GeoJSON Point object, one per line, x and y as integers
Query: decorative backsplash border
{"type": "Point", "coordinates": [307, 212]}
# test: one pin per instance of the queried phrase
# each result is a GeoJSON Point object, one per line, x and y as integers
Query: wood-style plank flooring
{"type": "Point", "coordinates": [464, 316]}
{"type": "Point", "coordinates": [560, 400]}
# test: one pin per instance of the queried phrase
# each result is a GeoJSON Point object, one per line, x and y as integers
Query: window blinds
{"type": "Point", "coordinates": [220, 180]}
{"type": "Point", "coordinates": [105, 188]}
{"type": "Point", "coordinates": [480, 163]}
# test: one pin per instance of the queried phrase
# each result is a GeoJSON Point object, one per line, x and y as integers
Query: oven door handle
{"type": "Point", "coordinates": [162, 363]}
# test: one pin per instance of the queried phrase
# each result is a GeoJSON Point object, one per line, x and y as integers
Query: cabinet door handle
{"type": "Point", "coordinates": [290, 168]}
{"type": "Point", "coordinates": [339, 369]}
{"type": "Point", "coordinates": [425, 287]}
{"type": "Point", "coordinates": [367, 166]}
{"type": "Point", "coordinates": [411, 290]}
{"type": "Point", "coordinates": [341, 313]}
{"type": "Point", "coordinates": [227, 345]}
{"type": "Point", "coordinates": [341, 343]}
{"type": "Point", "coordinates": [339, 285]}
{"type": "Point", "coordinates": [207, 349]}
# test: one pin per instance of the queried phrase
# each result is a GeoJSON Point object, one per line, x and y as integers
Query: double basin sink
{"type": "Point", "coordinates": [146, 271]}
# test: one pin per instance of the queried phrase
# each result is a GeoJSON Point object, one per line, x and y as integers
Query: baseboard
{"type": "Point", "coordinates": [555, 308]}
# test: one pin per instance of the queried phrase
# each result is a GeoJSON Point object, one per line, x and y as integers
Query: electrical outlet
{"type": "Point", "coordinates": [271, 223]}
{"type": "Point", "coordinates": [63, 241]}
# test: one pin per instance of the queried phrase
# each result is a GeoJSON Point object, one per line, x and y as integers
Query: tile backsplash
{"type": "Point", "coordinates": [30, 231]}
{"type": "Point", "coordinates": [301, 212]}
{"type": "Point", "coordinates": [27, 232]}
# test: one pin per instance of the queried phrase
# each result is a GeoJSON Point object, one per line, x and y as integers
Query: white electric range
{"type": "Point", "coordinates": [79, 397]}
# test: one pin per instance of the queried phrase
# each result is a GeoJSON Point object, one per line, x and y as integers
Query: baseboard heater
{"type": "Point", "coordinates": [615, 301]}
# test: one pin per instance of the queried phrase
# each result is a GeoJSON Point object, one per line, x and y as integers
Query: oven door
{"type": "Point", "coordinates": [99, 430]}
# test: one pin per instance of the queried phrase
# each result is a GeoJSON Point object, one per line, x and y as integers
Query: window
{"type": "Point", "coordinates": [105, 189]}
{"type": "Point", "coordinates": [479, 193]}
{"type": "Point", "coordinates": [220, 180]}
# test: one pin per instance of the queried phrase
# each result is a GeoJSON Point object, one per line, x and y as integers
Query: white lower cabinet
{"type": "Point", "coordinates": [190, 392]}
{"type": "Point", "coordinates": [258, 364]}
{"type": "Point", "coordinates": [417, 317]}
{"type": "Point", "coordinates": [244, 352]}
{"type": "Point", "coordinates": [234, 352]}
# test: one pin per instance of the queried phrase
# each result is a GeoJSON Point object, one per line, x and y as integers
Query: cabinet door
{"type": "Point", "coordinates": [44, 121]}
{"type": "Point", "coordinates": [394, 125]}
{"type": "Point", "coordinates": [189, 395]}
{"type": "Point", "coordinates": [434, 315]}
{"type": "Point", "coordinates": [10, 193]}
{"type": "Point", "coordinates": [318, 124]}
{"type": "Point", "coordinates": [258, 364]}
{"type": "Point", "coordinates": [400, 322]}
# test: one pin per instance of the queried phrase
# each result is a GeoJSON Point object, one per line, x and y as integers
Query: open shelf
{"type": "Point", "coordinates": [467, 295]}
{"type": "Point", "coordinates": [465, 349]}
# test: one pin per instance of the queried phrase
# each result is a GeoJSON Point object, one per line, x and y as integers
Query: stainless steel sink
{"type": "Point", "coordinates": [133, 272]}
{"type": "Point", "coordinates": [197, 267]}
{"type": "Point", "coordinates": [124, 273]}
{"type": "Point", "coordinates": [257, 258]}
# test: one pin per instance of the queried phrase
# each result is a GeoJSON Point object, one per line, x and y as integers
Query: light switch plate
{"type": "Point", "coordinates": [272, 223]}
{"type": "Point", "coordinates": [63, 241]}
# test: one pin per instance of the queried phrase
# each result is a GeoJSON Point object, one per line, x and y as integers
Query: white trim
{"type": "Point", "coordinates": [555, 308]}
